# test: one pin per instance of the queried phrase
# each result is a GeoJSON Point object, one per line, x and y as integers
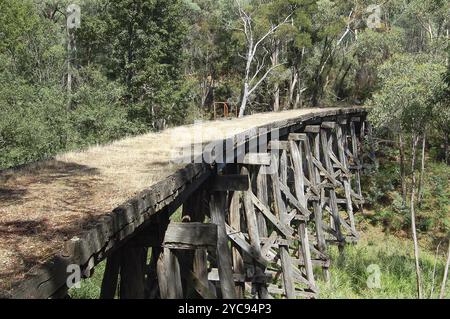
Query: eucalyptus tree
{"type": "Point", "coordinates": [405, 101]}
{"type": "Point", "coordinates": [255, 29]}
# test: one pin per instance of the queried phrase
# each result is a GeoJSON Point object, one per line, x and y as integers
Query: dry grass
{"type": "Point", "coordinates": [41, 205]}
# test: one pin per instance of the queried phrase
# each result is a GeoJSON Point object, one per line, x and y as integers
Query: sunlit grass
{"type": "Point", "coordinates": [395, 259]}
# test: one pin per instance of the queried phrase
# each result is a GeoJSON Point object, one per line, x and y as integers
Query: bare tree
{"type": "Point", "coordinates": [403, 169]}
{"type": "Point", "coordinates": [255, 66]}
{"type": "Point", "coordinates": [422, 171]}
{"type": "Point", "coordinates": [413, 215]}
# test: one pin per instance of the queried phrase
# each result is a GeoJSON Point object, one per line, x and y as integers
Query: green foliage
{"type": "Point", "coordinates": [120, 86]}
{"type": "Point", "coordinates": [409, 85]}
{"type": "Point", "coordinates": [395, 259]}
{"type": "Point", "coordinates": [382, 191]}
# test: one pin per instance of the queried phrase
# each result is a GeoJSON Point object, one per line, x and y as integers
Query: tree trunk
{"type": "Point", "coordinates": [244, 101]}
{"type": "Point", "coordinates": [292, 86]}
{"type": "Point", "coordinates": [413, 216]}
{"type": "Point", "coordinates": [422, 170]}
{"type": "Point", "coordinates": [299, 96]}
{"type": "Point", "coordinates": [446, 148]}
{"type": "Point", "coordinates": [402, 170]}
{"type": "Point", "coordinates": [276, 88]}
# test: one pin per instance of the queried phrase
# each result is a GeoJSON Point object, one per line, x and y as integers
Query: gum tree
{"type": "Point", "coordinates": [405, 102]}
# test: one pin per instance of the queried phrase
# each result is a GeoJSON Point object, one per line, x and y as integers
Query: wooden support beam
{"type": "Point", "coordinates": [281, 212]}
{"type": "Point", "coordinates": [291, 198]}
{"type": "Point", "coordinates": [132, 272]}
{"type": "Point", "coordinates": [200, 274]}
{"type": "Point", "coordinates": [332, 192]}
{"type": "Point", "coordinates": [201, 288]}
{"type": "Point", "coordinates": [315, 129]}
{"type": "Point", "coordinates": [340, 136]}
{"type": "Point", "coordinates": [224, 260]}
{"type": "Point", "coordinates": [318, 212]}
{"type": "Point", "coordinates": [239, 239]}
{"type": "Point", "coordinates": [111, 276]}
{"type": "Point", "coordinates": [223, 183]}
{"type": "Point", "coordinates": [355, 154]}
{"type": "Point", "coordinates": [238, 260]}
{"type": "Point", "coordinates": [261, 192]}
{"type": "Point", "coordinates": [169, 277]}
{"type": "Point", "coordinates": [257, 159]}
{"type": "Point", "coordinates": [286, 230]}
{"type": "Point", "coordinates": [278, 145]}
{"type": "Point", "coordinates": [190, 236]}
{"type": "Point", "coordinates": [329, 125]}
{"type": "Point", "coordinates": [253, 233]}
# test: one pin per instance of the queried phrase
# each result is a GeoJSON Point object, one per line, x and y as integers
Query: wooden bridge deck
{"type": "Point", "coordinates": [76, 208]}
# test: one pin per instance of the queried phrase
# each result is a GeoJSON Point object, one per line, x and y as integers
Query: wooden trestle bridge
{"type": "Point", "coordinates": [258, 228]}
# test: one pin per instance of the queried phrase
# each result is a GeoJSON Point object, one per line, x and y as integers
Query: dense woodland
{"type": "Point", "coordinates": [134, 66]}
{"type": "Point", "coordinates": [139, 65]}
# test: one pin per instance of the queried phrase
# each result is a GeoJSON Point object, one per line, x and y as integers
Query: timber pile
{"type": "Point", "coordinates": [269, 218]}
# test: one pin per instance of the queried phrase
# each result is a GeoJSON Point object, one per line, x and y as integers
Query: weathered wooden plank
{"type": "Point", "coordinates": [238, 261]}
{"type": "Point", "coordinates": [224, 260]}
{"type": "Point", "coordinates": [239, 239]}
{"type": "Point", "coordinates": [261, 191]}
{"type": "Point", "coordinates": [110, 276]}
{"type": "Point", "coordinates": [257, 159]}
{"type": "Point", "coordinates": [268, 244]}
{"type": "Point", "coordinates": [355, 154]}
{"type": "Point", "coordinates": [213, 275]}
{"type": "Point", "coordinates": [286, 265]}
{"type": "Point", "coordinates": [278, 145]}
{"type": "Point", "coordinates": [223, 183]}
{"type": "Point", "coordinates": [316, 262]}
{"type": "Point", "coordinates": [297, 161]}
{"type": "Point", "coordinates": [132, 272]}
{"type": "Point", "coordinates": [190, 236]}
{"type": "Point", "coordinates": [169, 277]}
{"type": "Point", "coordinates": [304, 250]}
{"type": "Point", "coordinates": [200, 272]}
{"type": "Point", "coordinates": [332, 192]}
{"type": "Point", "coordinates": [203, 290]}
{"type": "Point", "coordinates": [346, 180]}
{"type": "Point", "coordinates": [253, 233]}
{"type": "Point", "coordinates": [281, 212]}
{"type": "Point", "coordinates": [314, 177]}
{"type": "Point", "coordinates": [329, 125]}
{"type": "Point", "coordinates": [315, 129]}
{"type": "Point", "coordinates": [286, 191]}
{"type": "Point", "coordinates": [284, 229]}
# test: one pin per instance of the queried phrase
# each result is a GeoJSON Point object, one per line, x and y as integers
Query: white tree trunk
{"type": "Point", "coordinates": [413, 217]}
{"type": "Point", "coordinates": [276, 88]}
{"type": "Point", "coordinates": [244, 100]}
{"type": "Point", "coordinates": [292, 86]}
{"type": "Point", "coordinates": [422, 170]}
